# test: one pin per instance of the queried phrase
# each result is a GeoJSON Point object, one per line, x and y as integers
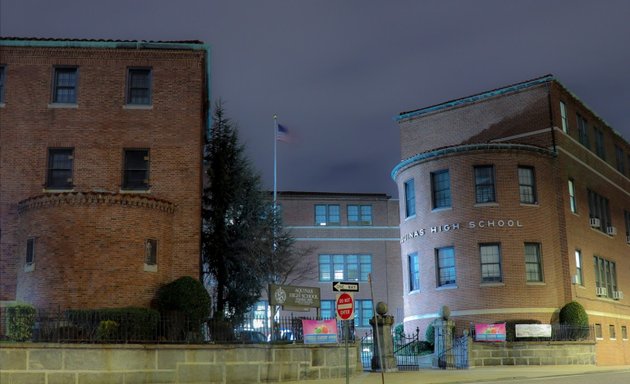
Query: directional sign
{"type": "Point", "coordinates": [344, 286]}
{"type": "Point", "coordinates": [345, 306]}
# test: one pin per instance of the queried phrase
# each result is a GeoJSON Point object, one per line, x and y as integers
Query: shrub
{"type": "Point", "coordinates": [186, 295]}
{"type": "Point", "coordinates": [134, 324]}
{"type": "Point", "coordinates": [21, 320]}
{"type": "Point", "coordinates": [107, 330]}
{"type": "Point", "coordinates": [573, 313]}
{"type": "Point", "coordinates": [429, 335]}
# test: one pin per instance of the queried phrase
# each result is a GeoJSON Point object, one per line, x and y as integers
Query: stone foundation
{"type": "Point", "coordinates": [166, 364]}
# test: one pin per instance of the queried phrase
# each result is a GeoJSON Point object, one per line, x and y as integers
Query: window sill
{"type": "Point", "coordinates": [58, 190]}
{"type": "Point", "coordinates": [481, 205]}
{"type": "Point", "coordinates": [29, 267]}
{"type": "Point", "coordinates": [150, 267]}
{"type": "Point", "coordinates": [536, 283]}
{"type": "Point", "coordinates": [63, 106]}
{"type": "Point", "coordinates": [446, 287]}
{"type": "Point", "coordinates": [533, 205]}
{"type": "Point", "coordinates": [497, 284]}
{"type": "Point", "coordinates": [414, 292]}
{"type": "Point", "coordinates": [138, 106]}
{"type": "Point", "coordinates": [412, 217]}
{"type": "Point", "coordinates": [441, 209]}
{"type": "Point", "coordinates": [138, 191]}
{"type": "Point", "coordinates": [2, 105]}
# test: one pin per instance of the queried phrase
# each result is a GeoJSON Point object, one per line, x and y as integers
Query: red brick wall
{"type": "Point", "coordinates": [99, 129]}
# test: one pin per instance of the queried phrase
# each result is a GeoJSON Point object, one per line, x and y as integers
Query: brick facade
{"type": "Point", "coordinates": [379, 240]}
{"type": "Point", "coordinates": [512, 127]}
{"type": "Point", "coordinates": [89, 238]}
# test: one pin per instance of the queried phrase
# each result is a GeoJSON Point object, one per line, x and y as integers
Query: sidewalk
{"type": "Point", "coordinates": [437, 376]}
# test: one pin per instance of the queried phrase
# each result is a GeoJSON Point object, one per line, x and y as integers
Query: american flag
{"type": "Point", "coordinates": [283, 134]}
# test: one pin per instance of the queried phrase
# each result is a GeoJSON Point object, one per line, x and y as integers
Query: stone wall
{"type": "Point", "coordinates": [151, 364]}
{"type": "Point", "coordinates": [531, 353]}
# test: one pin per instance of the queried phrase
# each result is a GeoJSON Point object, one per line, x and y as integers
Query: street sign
{"type": "Point", "coordinates": [345, 306]}
{"type": "Point", "coordinates": [345, 286]}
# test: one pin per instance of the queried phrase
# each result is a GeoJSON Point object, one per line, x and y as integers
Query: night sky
{"type": "Point", "coordinates": [337, 72]}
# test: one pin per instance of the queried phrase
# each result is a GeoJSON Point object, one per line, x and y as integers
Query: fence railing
{"type": "Point", "coordinates": [146, 326]}
{"type": "Point", "coordinates": [559, 332]}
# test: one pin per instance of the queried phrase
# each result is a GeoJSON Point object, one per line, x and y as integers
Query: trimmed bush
{"type": "Point", "coordinates": [21, 320]}
{"type": "Point", "coordinates": [134, 324]}
{"type": "Point", "coordinates": [185, 305]}
{"type": "Point", "coordinates": [186, 295]}
{"type": "Point", "coordinates": [573, 313]}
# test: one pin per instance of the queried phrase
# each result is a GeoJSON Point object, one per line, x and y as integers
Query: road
{"type": "Point", "coordinates": [589, 378]}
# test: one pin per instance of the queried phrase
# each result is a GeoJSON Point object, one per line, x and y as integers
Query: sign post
{"type": "Point", "coordinates": [345, 312]}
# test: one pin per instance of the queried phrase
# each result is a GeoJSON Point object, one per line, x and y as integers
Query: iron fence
{"type": "Point", "coordinates": [146, 326]}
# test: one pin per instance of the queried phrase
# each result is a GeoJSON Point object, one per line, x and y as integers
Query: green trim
{"type": "Point", "coordinates": [138, 44]}
{"type": "Point", "coordinates": [421, 157]}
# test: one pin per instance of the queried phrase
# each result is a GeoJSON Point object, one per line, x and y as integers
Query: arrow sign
{"type": "Point", "coordinates": [344, 286]}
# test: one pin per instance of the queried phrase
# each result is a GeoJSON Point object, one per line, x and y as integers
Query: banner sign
{"type": "Point", "coordinates": [533, 330]}
{"type": "Point", "coordinates": [320, 331]}
{"type": "Point", "coordinates": [490, 332]}
{"type": "Point", "coordinates": [290, 296]}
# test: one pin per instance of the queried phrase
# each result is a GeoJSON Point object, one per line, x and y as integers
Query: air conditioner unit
{"type": "Point", "coordinates": [612, 231]}
{"type": "Point", "coordinates": [628, 239]}
{"type": "Point", "coordinates": [595, 222]}
{"type": "Point", "coordinates": [575, 279]}
{"type": "Point", "coordinates": [601, 291]}
{"type": "Point", "coordinates": [617, 295]}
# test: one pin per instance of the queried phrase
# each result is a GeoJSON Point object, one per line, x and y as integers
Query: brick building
{"type": "Point", "coordinates": [100, 188]}
{"type": "Point", "coordinates": [514, 202]}
{"type": "Point", "coordinates": [349, 235]}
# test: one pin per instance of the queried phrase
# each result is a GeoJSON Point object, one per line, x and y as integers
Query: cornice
{"type": "Point", "coordinates": [48, 200]}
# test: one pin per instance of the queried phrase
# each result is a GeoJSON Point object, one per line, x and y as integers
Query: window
{"type": "Point", "coordinates": [579, 276]}
{"type": "Point", "coordinates": [533, 263]}
{"type": "Point", "coordinates": [344, 267]}
{"type": "Point", "coordinates": [626, 218]}
{"type": "Point", "coordinates": [327, 214]}
{"type": "Point", "coordinates": [441, 189]}
{"type": "Point", "coordinates": [359, 215]}
{"type": "Point", "coordinates": [624, 332]}
{"type": "Point", "coordinates": [327, 309]}
{"type": "Point", "coordinates": [563, 117]}
{"type": "Point", "coordinates": [30, 251]}
{"type": "Point", "coordinates": [572, 202]}
{"type": "Point", "coordinates": [484, 184]}
{"type": "Point", "coordinates": [136, 172]}
{"type": "Point", "coordinates": [612, 332]}
{"type": "Point", "coordinates": [490, 263]}
{"type": "Point", "coordinates": [410, 198]}
{"type": "Point", "coordinates": [445, 266]}
{"type": "Point", "coordinates": [414, 272]}
{"type": "Point", "coordinates": [150, 252]}
{"type": "Point", "coordinates": [139, 86]}
{"type": "Point", "coordinates": [362, 313]}
{"type": "Point", "coordinates": [65, 85]}
{"type": "Point", "coordinates": [2, 75]}
{"type": "Point", "coordinates": [599, 209]}
{"type": "Point", "coordinates": [59, 175]}
{"type": "Point", "coordinates": [599, 143]}
{"type": "Point", "coordinates": [598, 331]}
{"type": "Point", "coordinates": [605, 276]}
{"type": "Point", "coordinates": [527, 185]}
{"type": "Point", "coordinates": [582, 131]}
{"type": "Point", "coordinates": [620, 158]}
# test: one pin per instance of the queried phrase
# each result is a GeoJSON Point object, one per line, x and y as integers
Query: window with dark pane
{"type": "Point", "coordinates": [59, 175]}
{"type": "Point", "coordinates": [484, 184]}
{"type": "Point", "coordinates": [65, 85]}
{"type": "Point", "coordinates": [136, 172]}
{"type": "Point", "coordinates": [150, 252]}
{"type": "Point", "coordinates": [441, 189]}
{"type": "Point", "coordinates": [139, 86]}
{"type": "Point", "coordinates": [527, 185]}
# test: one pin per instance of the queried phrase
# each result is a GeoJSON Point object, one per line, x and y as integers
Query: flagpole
{"type": "Point", "coordinates": [275, 165]}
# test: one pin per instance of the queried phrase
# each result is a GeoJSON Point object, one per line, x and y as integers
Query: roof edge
{"type": "Point", "coordinates": [477, 97]}
{"type": "Point", "coordinates": [108, 44]}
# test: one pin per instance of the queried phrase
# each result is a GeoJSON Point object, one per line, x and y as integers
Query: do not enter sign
{"type": "Point", "coordinates": [345, 306]}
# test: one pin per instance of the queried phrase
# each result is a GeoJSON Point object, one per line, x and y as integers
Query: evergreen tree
{"type": "Point", "coordinates": [244, 244]}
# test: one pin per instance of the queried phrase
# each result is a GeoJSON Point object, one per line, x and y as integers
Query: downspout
{"type": "Point", "coordinates": [206, 135]}
{"type": "Point", "coordinates": [553, 131]}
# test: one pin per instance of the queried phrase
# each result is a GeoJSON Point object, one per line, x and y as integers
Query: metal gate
{"type": "Point", "coordinates": [457, 356]}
